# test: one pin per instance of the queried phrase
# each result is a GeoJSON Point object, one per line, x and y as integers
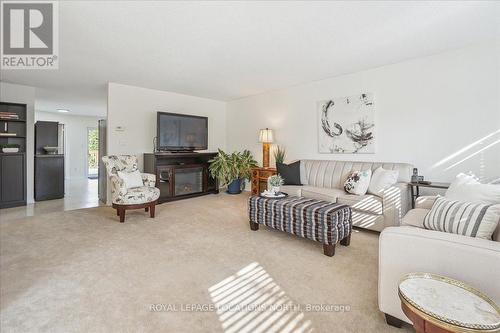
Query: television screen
{"type": "Point", "coordinates": [182, 132]}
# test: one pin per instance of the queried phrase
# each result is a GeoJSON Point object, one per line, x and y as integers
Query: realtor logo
{"type": "Point", "coordinates": [29, 35]}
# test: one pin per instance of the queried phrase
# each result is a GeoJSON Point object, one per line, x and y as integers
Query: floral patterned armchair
{"type": "Point", "coordinates": [132, 198]}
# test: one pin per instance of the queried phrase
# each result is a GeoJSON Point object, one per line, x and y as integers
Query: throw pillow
{"type": "Point", "coordinates": [463, 218]}
{"type": "Point", "coordinates": [478, 193]}
{"type": "Point", "coordinates": [131, 179]}
{"type": "Point", "coordinates": [382, 179]}
{"type": "Point", "coordinates": [358, 182]}
{"type": "Point", "coordinates": [289, 172]}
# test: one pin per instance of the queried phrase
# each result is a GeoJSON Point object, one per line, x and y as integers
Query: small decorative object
{"type": "Point", "coordinates": [232, 169]}
{"type": "Point", "coordinates": [415, 178]}
{"type": "Point", "coordinates": [266, 137]}
{"type": "Point", "coordinates": [274, 183]}
{"type": "Point", "coordinates": [279, 155]}
{"type": "Point", "coordinates": [10, 148]}
{"type": "Point", "coordinates": [51, 150]}
{"type": "Point", "coordinates": [272, 195]}
{"type": "Point", "coordinates": [346, 124]}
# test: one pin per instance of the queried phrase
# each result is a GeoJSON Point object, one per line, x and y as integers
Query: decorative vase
{"type": "Point", "coordinates": [234, 187]}
{"type": "Point", "coordinates": [10, 150]}
{"type": "Point", "coordinates": [275, 189]}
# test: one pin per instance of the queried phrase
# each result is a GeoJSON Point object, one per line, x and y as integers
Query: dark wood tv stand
{"type": "Point", "coordinates": [181, 175]}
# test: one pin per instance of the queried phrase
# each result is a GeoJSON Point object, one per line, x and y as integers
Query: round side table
{"type": "Point", "coordinates": [437, 304]}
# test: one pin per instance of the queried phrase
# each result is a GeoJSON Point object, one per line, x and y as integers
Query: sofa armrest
{"type": "Point", "coordinates": [395, 202]}
{"type": "Point", "coordinates": [148, 179]}
{"type": "Point", "coordinates": [405, 249]}
{"type": "Point", "coordinates": [425, 201]}
{"type": "Point", "coordinates": [118, 188]}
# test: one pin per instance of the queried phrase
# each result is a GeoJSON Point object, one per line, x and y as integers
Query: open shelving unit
{"type": "Point", "coordinates": [13, 165]}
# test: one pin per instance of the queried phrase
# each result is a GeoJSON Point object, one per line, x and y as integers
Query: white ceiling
{"type": "Point", "coordinates": [228, 50]}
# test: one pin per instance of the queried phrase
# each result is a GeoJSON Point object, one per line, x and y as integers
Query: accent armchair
{"type": "Point", "coordinates": [145, 196]}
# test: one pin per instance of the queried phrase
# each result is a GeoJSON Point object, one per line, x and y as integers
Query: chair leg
{"type": "Point", "coordinates": [122, 215]}
{"type": "Point", "coordinates": [152, 210]}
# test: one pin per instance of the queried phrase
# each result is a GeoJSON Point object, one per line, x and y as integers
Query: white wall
{"type": "Point", "coordinates": [135, 108]}
{"type": "Point", "coordinates": [432, 112]}
{"type": "Point", "coordinates": [76, 141]}
{"type": "Point", "coordinates": [16, 93]}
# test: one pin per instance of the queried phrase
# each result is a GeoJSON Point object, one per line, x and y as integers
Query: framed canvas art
{"type": "Point", "coordinates": [347, 124]}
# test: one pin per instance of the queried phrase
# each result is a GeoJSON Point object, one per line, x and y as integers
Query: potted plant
{"type": "Point", "coordinates": [279, 155]}
{"type": "Point", "coordinates": [10, 148]}
{"type": "Point", "coordinates": [232, 169]}
{"type": "Point", "coordinates": [274, 183]}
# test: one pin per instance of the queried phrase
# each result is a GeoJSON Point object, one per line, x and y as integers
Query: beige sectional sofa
{"type": "Point", "coordinates": [324, 180]}
{"type": "Point", "coordinates": [410, 248]}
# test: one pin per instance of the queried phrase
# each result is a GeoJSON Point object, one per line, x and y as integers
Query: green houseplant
{"type": "Point", "coordinates": [279, 155]}
{"type": "Point", "coordinates": [231, 169]}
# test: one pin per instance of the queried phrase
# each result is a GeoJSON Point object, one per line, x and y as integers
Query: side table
{"type": "Point", "coordinates": [259, 179]}
{"type": "Point", "coordinates": [415, 189]}
{"type": "Point", "coordinates": [437, 304]}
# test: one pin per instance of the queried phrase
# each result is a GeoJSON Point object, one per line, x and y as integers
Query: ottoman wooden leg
{"type": "Point", "coordinates": [254, 226]}
{"type": "Point", "coordinates": [346, 241]}
{"type": "Point", "coordinates": [329, 250]}
{"type": "Point", "coordinates": [146, 209]}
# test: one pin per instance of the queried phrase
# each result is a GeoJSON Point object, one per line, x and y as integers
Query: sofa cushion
{"type": "Point", "coordinates": [461, 217]}
{"type": "Point", "coordinates": [382, 179]}
{"type": "Point", "coordinates": [332, 174]}
{"type": "Point", "coordinates": [415, 217]}
{"type": "Point", "coordinates": [289, 172]}
{"type": "Point", "coordinates": [365, 203]}
{"type": "Point", "coordinates": [358, 182]}
{"type": "Point", "coordinates": [139, 195]}
{"type": "Point", "coordinates": [321, 193]}
{"type": "Point", "coordinates": [368, 221]}
{"type": "Point", "coordinates": [292, 189]}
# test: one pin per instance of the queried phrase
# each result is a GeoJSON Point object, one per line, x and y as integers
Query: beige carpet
{"type": "Point", "coordinates": [195, 268]}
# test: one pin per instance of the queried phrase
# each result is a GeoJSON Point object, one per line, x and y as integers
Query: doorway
{"type": "Point", "coordinates": [92, 153]}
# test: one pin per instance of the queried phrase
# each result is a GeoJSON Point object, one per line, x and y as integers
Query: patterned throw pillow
{"type": "Point", "coordinates": [463, 218]}
{"type": "Point", "coordinates": [358, 182]}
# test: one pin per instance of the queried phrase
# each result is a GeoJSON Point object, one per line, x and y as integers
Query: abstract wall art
{"type": "Point", "coordinates": [347, 124]}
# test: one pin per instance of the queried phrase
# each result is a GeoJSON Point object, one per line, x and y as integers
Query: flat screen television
{"type": "Point", "coordinates": [180, 132]}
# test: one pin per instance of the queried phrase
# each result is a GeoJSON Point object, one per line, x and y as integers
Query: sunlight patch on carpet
{"type": "Point", "coordinates": [251, 301]}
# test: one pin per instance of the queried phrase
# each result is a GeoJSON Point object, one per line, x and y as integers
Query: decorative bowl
{"type": "Point", "coordinates": [10, 149]}
{"type": "Point", "coordinates": [51, 150]}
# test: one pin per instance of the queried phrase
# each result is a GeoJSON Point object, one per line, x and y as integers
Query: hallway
{"type": "Point", "coordinates": [82, 193]}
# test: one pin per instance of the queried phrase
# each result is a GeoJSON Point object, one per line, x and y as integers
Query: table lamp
{"type": "Point", "coordinates": [266, 137]}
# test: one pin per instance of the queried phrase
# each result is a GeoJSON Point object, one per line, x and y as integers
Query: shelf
{"type": "Point", "coordinates": [13, 120]}
{"type": "Point", "coordinates": [13, 137]}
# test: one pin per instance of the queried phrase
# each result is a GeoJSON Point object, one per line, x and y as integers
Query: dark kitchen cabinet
{"type": "Point", "coordinates": [49, 177]}
{"type": "Point", "coordinates": [12, 180]}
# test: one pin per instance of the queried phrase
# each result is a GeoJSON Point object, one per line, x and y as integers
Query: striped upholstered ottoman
{"type": "Point", "coordinates": [321, 221]}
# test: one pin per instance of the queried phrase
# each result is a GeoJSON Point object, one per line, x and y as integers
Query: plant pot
{"type": "Point", "coordinates": [10, 150]}
{"type": "Point", "coordinates": [275, 189]}
{"type": "Point", "coordinates": [234, 187]}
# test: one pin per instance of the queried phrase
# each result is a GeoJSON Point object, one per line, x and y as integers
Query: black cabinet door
{"type": "Point", "coordinates": [12, 180]}
{"type": "Point", "coordinates": [49, 177]}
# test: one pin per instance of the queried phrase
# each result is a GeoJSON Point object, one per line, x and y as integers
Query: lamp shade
{"type": "Point", "coordinates": [266, 135]}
